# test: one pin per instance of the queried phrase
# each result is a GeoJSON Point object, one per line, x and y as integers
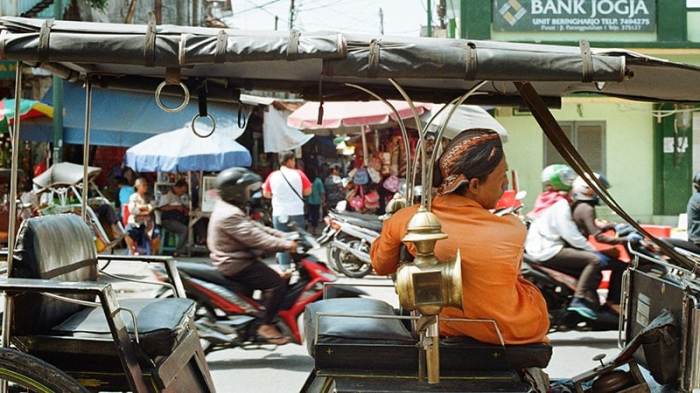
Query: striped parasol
{"type": "Point", "coordinates": [28, 109]}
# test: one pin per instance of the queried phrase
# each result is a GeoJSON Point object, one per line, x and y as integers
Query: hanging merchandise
{"type": "Point", "coordinates": [374, 175]}
{"type": "Point", "coordinates": [359, 176]}
{"type": "Point", "coordinates": [386, 163]}
{"type": "Point", "coordinates": [372, 200]}
{"type": "Point", "coordinates": [357, 200]}
{"type": "Point", "coordinates": [392, 183]}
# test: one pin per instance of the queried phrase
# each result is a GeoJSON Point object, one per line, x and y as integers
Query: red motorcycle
{"type": "Point", "coordinates": [227, 312]}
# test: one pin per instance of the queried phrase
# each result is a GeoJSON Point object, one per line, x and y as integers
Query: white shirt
{"type": "Point", "coordinates": [285, 201]}
{"type": "Point", "coordinates": [136, 202]}
{"type": "Point", "coordinates": [170, 199]}
{"type": "Point", "coordinates": [551, 231]}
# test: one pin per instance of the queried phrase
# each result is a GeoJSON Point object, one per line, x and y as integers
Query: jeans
{"type": "Point", "coordinates": [587, 266]}
{"type": "Point", "coordinates": [283, 258]}
{"type": "Point", "coordinates": [178, 228]}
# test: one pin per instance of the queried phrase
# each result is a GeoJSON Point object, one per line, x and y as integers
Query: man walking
{"type": "Point", "coordinates": [287, 188]}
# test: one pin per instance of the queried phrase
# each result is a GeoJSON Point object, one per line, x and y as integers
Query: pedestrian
{"type": "Point", "coordinates": [140, 222]}
{"type": "Point", "coordinates": [174, 214]}
{"type": "Point", "coordinates": [315, 201]}
{"type": "Point", "coordinates": [287, 188]}
{"type": "Point", "coordinates": [334, 187]}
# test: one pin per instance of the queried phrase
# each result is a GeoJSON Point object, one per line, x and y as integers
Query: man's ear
{"type": "Point", "coordinates": [474, 186]}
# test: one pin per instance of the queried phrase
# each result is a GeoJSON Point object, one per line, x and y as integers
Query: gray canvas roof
{"type": "Point", "coordinates": [319, 64]}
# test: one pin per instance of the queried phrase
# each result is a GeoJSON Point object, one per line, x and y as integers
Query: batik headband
{"type": "Point", "coordinates": [450, 180]}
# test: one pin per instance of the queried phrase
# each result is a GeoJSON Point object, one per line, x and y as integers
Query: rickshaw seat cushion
{"type": "Point", "coordinates": [58, 247]}
{"type": "Point", "coordinates": [517, 356]}
{"type": "Point", "coordinates": [344, 329]}
{"type": "Point", "coordinates": [160, 322]}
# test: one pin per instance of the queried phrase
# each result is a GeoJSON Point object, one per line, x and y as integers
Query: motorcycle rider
{"type": "Point", "coordinates": [584, 215]}
{"type": "Point", "coordinates": [556, 240]}
{"type": "Point", "coordinates": [472, 178]}
{"type": "Point", "coordinates": [557, 180]}
{"type": "Point", "coordinates": [236, 243]}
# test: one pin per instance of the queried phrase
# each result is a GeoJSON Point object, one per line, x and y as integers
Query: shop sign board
{"type": "Point", "coordinates": [574, 15]}
{"type": "Point", "coordinates": [7, 69]}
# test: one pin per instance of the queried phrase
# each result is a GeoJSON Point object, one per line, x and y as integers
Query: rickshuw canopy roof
{"type": "Point", "coordinates": [320, 64]}
{"type": "Point", "coordinates": [350, 114]}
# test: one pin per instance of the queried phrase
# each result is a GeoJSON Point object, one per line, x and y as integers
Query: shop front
{"type": "Point", "coordinates": [646, 151]}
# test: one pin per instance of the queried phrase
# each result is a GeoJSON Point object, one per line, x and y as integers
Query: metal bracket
{"type": "Point", "coordinates": [586, 61]}
{"type": "Point", "coordinates": [293, 45]}
{"type": "Point", "coordinates": [149, 47]}
{"type": "Point", "coordinates": [44, 39]}
{"type": "Point", "coordinates": [221, 43]}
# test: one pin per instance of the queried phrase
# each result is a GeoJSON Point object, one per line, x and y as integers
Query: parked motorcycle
{"type": "Point", "coordinates": [348, 238]}
{"type": "Point", "coordinates": [227, 312]}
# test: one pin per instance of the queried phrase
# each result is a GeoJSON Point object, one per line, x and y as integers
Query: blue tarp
{"type": "Point", "coordinates": [121, 118]}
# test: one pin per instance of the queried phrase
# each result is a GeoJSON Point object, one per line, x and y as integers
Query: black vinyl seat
{"type": "Point", "coordinates": [386, 344]}
{"type": "Point", "coordinates": [160, 324]}
{"type": "Point", "coordinates": [203, 271]}
{"type": "Point", "coordinates": [61, 247]}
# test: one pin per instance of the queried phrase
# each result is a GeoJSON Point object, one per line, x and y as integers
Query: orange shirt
{"type": "Point", "coordinates": [491, 248]}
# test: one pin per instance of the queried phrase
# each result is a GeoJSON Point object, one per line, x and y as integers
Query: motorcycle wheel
{"type": "Point", "coordinates": [332, 258]}
{"type": "Point", "coordinates": [350, 265]}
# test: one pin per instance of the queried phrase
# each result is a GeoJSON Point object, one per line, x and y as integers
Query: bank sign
{"type": "Point", "coordinates": [574, 15]}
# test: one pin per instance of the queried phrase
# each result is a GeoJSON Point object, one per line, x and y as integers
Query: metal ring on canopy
{"type": "Point", "coordinates": [182, 106]}
{"type": "Point", "coordinates": [213, 125]}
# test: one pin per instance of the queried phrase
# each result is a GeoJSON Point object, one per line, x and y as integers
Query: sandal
{"type": "Point", "coordinates": [266, 333]}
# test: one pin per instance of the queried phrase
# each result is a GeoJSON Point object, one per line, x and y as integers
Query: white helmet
{"type": "Point", "coordinates": [581, 191]}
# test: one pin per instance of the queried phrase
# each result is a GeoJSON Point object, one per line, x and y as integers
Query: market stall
{"type": "Point", "coordinates": [369, 129]}
{"type": "Point", "coordinates": [181, 151]}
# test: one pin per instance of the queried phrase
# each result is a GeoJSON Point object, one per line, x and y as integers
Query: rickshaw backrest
{"type": "Point", "coordinates": [57, 247]}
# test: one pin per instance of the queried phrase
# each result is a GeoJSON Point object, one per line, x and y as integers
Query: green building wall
{"type": "Point", "coordinates": [629, 153]}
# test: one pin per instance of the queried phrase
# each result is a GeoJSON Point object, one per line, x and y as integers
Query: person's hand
{"type": "Point", "coordinates": [293, 247]}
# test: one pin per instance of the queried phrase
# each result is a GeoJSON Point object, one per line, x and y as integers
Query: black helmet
{"type": "Point", "coordinates": [696, 181]}
{"type": "Point", "coordinates": [236, 185]}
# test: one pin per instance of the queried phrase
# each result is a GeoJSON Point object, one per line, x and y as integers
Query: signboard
{"type": "Point", "coordinates": [7, 69]}
{"type": "Point", "coordinates": [574, 15]}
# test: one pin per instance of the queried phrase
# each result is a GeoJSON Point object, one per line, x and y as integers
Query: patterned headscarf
{"type": "Point", "coordinates": [473, 154]}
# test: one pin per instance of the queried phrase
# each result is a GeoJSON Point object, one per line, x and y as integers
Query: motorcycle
{"type": "Point", "coordinates": [226, 314]}
{"type": "Point", "coordinates": [558, 287]}
{"type": "Point", "coordinates": [348, 238]}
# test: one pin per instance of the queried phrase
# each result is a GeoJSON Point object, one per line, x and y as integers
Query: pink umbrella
{"type": "Point", "coordinates": [350, 114]}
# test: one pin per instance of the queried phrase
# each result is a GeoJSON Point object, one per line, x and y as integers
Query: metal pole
{"type": "Point", "coordinates": [57, 99]}
{"type": "Point", "coordinates": [12, 226]}
{"type": "Point", "coordinates": [429, 11]}
{"type": "Point", "coordinates": [292, 13]}
{"type": "Point", "coordinates": [277, 20]}
{"type": "Point", "coordinates": [86, 147]}
{"type": "Point", "coordinates": [381, 21]}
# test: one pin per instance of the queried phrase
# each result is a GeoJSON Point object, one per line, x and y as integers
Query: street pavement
{"type": "Point", "coordinates": [285, 368]}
